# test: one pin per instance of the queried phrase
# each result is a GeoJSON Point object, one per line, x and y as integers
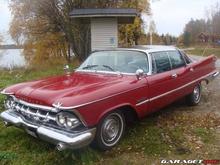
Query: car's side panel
{"type": "Point", "coordinates": [160, 84]}
{"type": "Point", "coordinates": [202, 67]}
{"type": "Point", "coordinates": [93, 113]}
{"type": "Point", "coordinates": [151, 93]}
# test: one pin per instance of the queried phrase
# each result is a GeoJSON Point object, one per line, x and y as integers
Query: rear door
{"type": "Point", "coordinates": [181, 74]}
{"type": "Point", "coordinates": [161, 81]}
{"type": "Point", "coordinates": [170, 79]}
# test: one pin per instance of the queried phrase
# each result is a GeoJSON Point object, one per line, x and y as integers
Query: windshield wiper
{"type": "Point", "coordinates": [93, 66]}
{"type": "Point", "coordinates": [89, 66]}
{"type": "Point", "coordinates": [109, 67]}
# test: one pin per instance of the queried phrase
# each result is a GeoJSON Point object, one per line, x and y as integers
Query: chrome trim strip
{"type": "Point", "coordinates": [5, 93]}
{"type": "Point", "coordinates": [51, 109]}
{"type": "Point", "coordinates": [81, 105]}
{"type": "Point", "coordinates": [143, 102]}
{"type": "Point", "coordinates": [73, 140]}
{"type": "Point", "coordinates": [214, 74]}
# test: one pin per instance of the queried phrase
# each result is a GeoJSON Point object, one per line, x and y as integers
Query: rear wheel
{"type": "Point", "coordinates": [109, 131]}
{"type": "Point", "coordinates": [195, 97]}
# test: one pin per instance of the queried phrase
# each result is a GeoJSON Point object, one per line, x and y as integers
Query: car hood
{"type": "Point", "coordinates": [71, 90]}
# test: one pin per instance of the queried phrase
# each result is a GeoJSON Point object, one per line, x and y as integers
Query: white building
{"type": "Point", "coordinates": [104, 24]}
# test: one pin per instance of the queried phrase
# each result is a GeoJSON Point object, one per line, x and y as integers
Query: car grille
{"type": "Point", "coordinates": [34, 115]}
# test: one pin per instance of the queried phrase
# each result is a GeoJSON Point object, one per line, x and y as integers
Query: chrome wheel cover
{"type": "Point", "coordinates": [197, 94]}
{"type": "Point", "coordinates": [112, 129]}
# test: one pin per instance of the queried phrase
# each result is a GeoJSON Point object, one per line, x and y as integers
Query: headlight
{"type": "Point", "coordinates": [61, 119]}
{"type": "Point", "coordinates": [67, 120]}
{"type": "Point", "coordinates": [9, 103]}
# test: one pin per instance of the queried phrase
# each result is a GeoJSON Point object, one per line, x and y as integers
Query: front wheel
{"type": "Point", "coordinates": [109, 131]}
{"type": "Point", "coordinates": [195, 97]}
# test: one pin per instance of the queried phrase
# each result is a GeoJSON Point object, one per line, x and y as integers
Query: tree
{"type": "Point", "coordinates": [210, 27]}
{"type": "Point", "coordinates": [186, 38]}
{"type": "Point", "coordinates": [35, 20]}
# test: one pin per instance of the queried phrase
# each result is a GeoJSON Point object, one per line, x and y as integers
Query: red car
{"type": "Point", "coordinates": [94, 103]}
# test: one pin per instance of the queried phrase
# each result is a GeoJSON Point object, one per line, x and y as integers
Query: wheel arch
{"type": "Point", "coordinates": [127, 110]}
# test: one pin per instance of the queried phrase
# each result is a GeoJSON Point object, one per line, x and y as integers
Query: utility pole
{"type": "Point", "coordinates": [152, 29]}
{"type": "Point", "coordinates": [151, 38]}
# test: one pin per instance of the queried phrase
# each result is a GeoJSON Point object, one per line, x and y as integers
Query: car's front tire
{"type": "Point", "coordinates": [109, 131]}
{"type": "Point", "coordinates": [195, 97]}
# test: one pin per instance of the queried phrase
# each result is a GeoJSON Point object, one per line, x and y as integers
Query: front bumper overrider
{"type": "Point", "coordinates": [61, 138]}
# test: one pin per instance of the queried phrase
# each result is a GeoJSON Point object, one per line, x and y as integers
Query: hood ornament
{"type": "Point", "coordinates": [57, 105]}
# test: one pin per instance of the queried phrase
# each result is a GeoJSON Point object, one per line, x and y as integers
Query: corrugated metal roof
{"type": "Point", "coordinates": [108, 12]}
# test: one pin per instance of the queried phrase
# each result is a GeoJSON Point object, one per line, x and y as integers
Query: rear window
{"type": "Point", "coordinates": [187, 59]}
{"type": "Point", "coordinates": [176, 59]}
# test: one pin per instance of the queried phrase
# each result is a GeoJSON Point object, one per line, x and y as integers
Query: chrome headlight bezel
{"type": "Point", "coordinates": [67, 120]}
{"type": "Point", "coordinates": [9, 103]}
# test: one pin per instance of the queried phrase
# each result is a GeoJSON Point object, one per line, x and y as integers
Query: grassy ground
{"type": "Point", "coordinates": [177, 131]}
{"type": "Point", "coordinates": [205, 51]}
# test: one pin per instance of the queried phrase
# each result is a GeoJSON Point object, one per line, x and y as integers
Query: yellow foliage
{"type": "Point", "coordinates": [49, 46]}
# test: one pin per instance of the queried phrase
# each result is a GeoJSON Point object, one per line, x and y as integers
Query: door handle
{"type": "Point", "coordinates": [174, 75]}
{"type": "Point", "coordinates": [191, 69]}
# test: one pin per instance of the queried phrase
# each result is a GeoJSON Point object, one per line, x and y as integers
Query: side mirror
{"type": "Point", "coordinates": [139, 73]}
{"type": "Point", "coordinates": [66, 69]}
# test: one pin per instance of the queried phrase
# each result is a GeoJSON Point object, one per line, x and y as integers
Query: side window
{"type": "Point", "coordinates": [161, 62]}
{"type": "Point", "coordinates": [176, 59]}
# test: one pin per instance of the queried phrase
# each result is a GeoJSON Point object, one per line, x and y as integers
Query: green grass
{"type": "Point", "coordinates": [206, 135]}
{"type": "Point", "coordinates": [149, 139]}
{"type": "Point", "coordinates": [202, 50]}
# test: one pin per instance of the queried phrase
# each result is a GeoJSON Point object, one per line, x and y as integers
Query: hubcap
{"type": "Point", "coordinates": [112, 129]}
{"type": "Point", "coordinates": [196, 93]}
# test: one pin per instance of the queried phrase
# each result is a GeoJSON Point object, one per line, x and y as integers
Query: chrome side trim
{"type": "Point", "coordinates": [143, 102]}
{"type": "Point", "coordinates": [73, 140]}
{"type": "Point", "coordinates": [213, 74]}
{"type": "Point", "coordinates": [81, 105]}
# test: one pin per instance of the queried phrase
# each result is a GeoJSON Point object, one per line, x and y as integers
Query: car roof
{"type": "Point", "coordinates": [145, 48]}
{"type": "Point", "coordinates": [155, 48]}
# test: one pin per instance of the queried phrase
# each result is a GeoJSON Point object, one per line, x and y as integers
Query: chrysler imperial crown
{"type": "Point", "coordinates": [93, 104]}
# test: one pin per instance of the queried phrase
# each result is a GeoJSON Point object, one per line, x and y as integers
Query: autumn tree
{"type": "Point", "coordinates": [45, 27]}
{"type": "Point", "coordinates": [209, 26]}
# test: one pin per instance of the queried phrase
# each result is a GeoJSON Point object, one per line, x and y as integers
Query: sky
{"type": "Point", "coordinates": [5, 18]}
{"type": "Point", "coordinates": [170, 16]}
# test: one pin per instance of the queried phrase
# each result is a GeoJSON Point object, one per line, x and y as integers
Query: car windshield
{"type": "Point", "coordinates": [116, 61]}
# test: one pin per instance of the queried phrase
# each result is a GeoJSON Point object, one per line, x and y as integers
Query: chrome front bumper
{"type": "Point", "coordinates": [60, 138]}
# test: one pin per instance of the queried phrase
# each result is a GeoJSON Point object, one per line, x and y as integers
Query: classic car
{"type": "Point", "coordinates": [93, 104]}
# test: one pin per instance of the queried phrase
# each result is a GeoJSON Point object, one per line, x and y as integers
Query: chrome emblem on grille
{"type": "Point", "coordinates": [57, 105]}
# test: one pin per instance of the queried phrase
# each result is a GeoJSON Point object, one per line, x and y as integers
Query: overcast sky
{"type": "Point", "coordinates": [5, 18]}
{"type": "Point", "coordinates": [170, 16]}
